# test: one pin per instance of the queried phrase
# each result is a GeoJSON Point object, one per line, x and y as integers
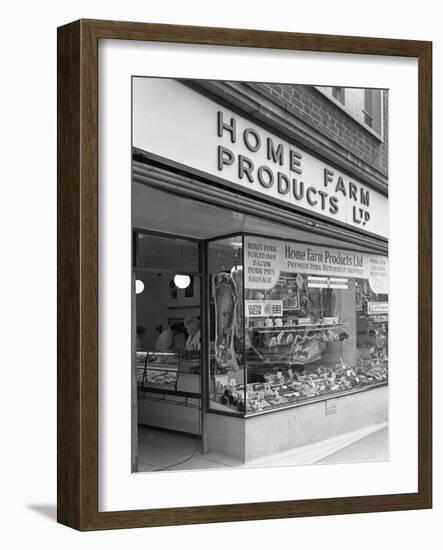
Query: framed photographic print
{"type": "Point", "coordinates": [234, 337]}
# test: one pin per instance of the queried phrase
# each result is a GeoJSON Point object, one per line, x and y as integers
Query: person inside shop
{"type": "Point", "coordinates": [139, 337]}
{"type": "Point", "coordinates": [179, 337]}
{"type": "Point", "coordinates": [172, 338]}
{"type": "Point", "coordinates": [194, 336]}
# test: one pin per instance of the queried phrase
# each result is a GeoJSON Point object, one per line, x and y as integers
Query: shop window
{"type": "Point", "coordinates": [300, 334]}
{"type": "Point", "coordinates": [226, 320]}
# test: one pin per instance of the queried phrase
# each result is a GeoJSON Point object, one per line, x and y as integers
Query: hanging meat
{"type": "Point", "coordinates": [237, 276]}
{"type": "Point", "coordinates": [225, 299]}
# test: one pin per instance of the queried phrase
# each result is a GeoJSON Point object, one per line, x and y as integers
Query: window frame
{"type": "Point", "coordinates": [324, 90]}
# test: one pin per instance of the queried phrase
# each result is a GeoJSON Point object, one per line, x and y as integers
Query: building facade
{"type": "Point", "coordinates": [260, 231]}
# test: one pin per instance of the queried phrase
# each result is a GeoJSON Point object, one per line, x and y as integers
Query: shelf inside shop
{"type": "Point", "coordinates": [294, 328]}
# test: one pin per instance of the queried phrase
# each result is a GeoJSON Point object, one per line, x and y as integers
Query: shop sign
{"type": "Point", "coordinates": [327, 282]}
{"type": "Point", "coordinates": [187, 128]}
{"type": "Point", "coordinates": [376, 308]}
{"type": "Point", "coordinates": [330, 320]}
{"type": "Point", "coordinates": [266, 259]}
{"type": "Point", "coordinates": [264, 308]}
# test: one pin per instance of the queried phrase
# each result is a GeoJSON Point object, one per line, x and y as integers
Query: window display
{"type": "Point", "coordinates": [292, 322]}
{"type": "Point", "coordinates": [226, 317]}
{"type": "Point", "coordinates": [157, 369]}
{"type": "Point", "coordinates": [163, 370]}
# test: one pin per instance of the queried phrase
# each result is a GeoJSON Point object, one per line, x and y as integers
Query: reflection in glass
{"type": "Point", "coordinates": [226, 349]}
{"type": "Point", "coordinates": [305, 337]}
{"type": "Point", "coordinates": [308, 340]}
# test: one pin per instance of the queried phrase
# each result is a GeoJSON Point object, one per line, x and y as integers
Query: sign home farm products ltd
{"type": "Point", "coordinates": [187, 128]}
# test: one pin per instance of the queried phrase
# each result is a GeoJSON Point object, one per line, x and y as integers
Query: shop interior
{"type": "Point", "coordinates": [308, 348]}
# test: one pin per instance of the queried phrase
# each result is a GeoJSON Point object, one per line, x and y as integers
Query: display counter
{"type": "Point", "coordinates": [169, 394]}
{"type": "Point", "coordinates": [272, 387]}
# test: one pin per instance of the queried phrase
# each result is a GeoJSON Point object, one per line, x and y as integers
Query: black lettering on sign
{"type": "Point", "coordinates": [283, 184]}
{"type": "Point", "coordinates": [295, 162]}
{"type": "Point", "coordinates": [275, 154]}
{"type": "Point", "coordinates": [265, 177]}
{"type": "Point", "coordinates": [298, 189]}
{"type": "Point", "coordinates": [323, 196]}
{"type": "Point", "coordinates": [328, 176]}
{"type": "Point", "coordinates": [309, 192]}
{"type": "Point", "coordinates": [333, 205]}
{"type": "Point", "coordinates": [352, 191]}
{"type": "Point", "coordinates": [364, 197]}
{"type": "Point", "coordinates": [252, 140]}
{"type": "Point", "coordinates": [245, 167]}
{"type": "Point", "coordinates": [340, 186]}
{"type": "Point", "coordinates": [225, 157]}
{"type": "Point", "coordinates": [222, 125]}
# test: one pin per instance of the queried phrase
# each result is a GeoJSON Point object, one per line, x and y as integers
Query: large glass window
{"type": "Point", "coordinates": [291, 322]}
{"type": "Point", "coordinates": [312, 329]}
{"type": "Point", "coordinates": [226, 325]}
{"type": "Point", "coordinates": [167, 314]}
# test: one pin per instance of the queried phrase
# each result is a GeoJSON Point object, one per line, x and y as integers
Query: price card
{"type": "Point", "coordinates": [233, 382]}
{"type": "Point", "coordinates": [279, 375]}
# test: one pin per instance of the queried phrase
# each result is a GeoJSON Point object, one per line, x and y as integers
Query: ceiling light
{"type": "Point", "coordinates": [182, 281]}
{"type": "Point", "coordinates": [139, 286]}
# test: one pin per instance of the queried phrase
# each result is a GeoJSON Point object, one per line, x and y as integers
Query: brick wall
{"type": "Point", "coordinates": [346, 136]}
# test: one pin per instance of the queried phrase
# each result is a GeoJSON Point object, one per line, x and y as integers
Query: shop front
{"type": "Point", "coordinates": [260, 316]}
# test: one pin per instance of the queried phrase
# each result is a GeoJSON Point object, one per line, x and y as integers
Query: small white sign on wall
{"type": "Point", "coordinates": [330, 406]}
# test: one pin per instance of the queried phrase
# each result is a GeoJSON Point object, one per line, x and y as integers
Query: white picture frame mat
{"type": "Point", "coordinates": [119, 489]}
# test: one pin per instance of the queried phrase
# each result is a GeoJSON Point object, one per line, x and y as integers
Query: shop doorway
{"type": "Point", "coordinates": [167, 320]}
